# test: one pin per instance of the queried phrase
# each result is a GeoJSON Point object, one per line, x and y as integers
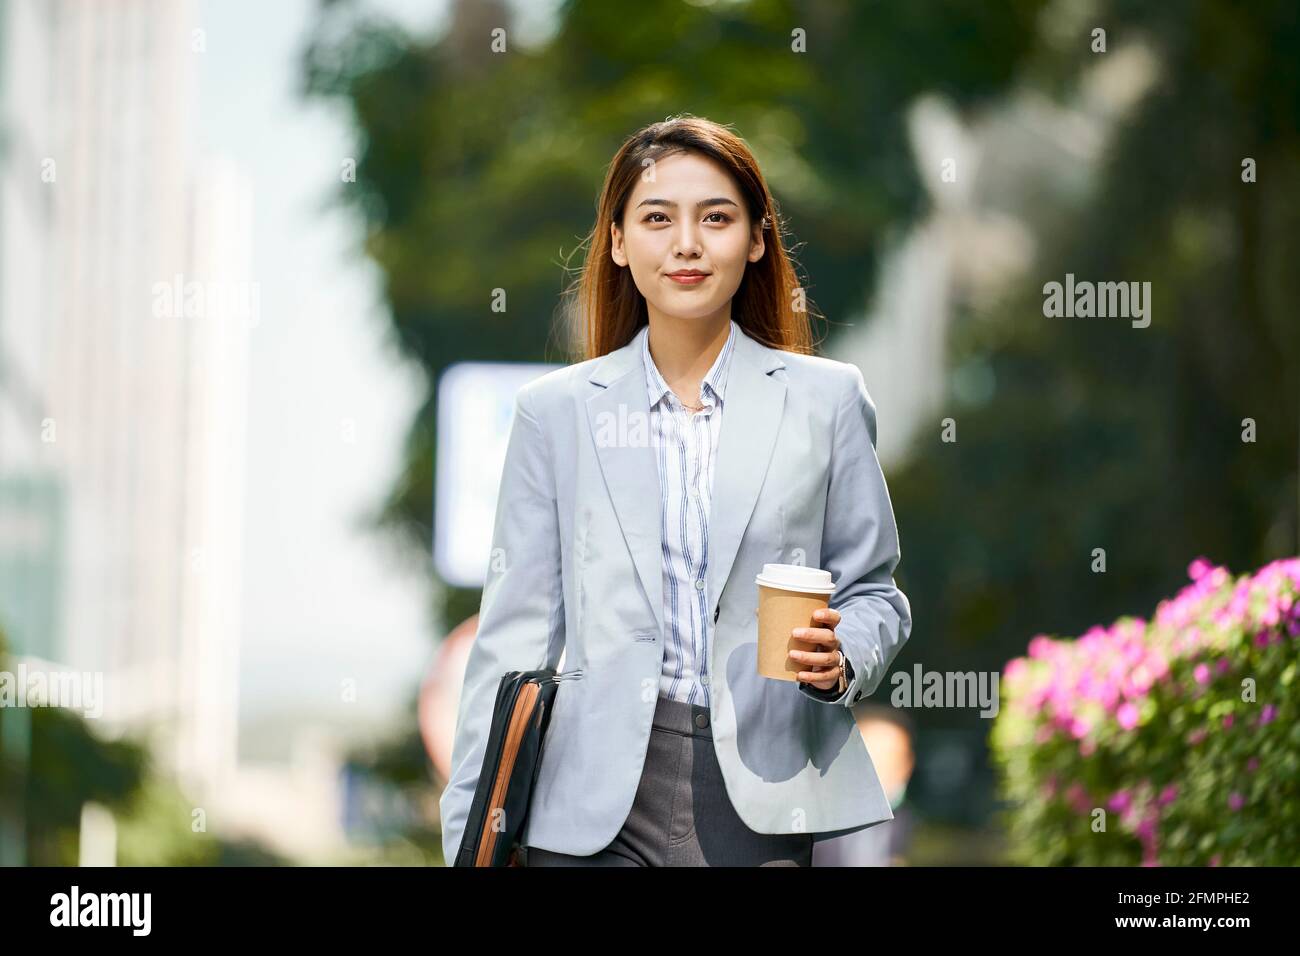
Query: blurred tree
{"type": "Point", "coordinates": [68, 765]}
{"type": "Point", "coordinates": [479, 171]}
{"type": "Point", "coordinates": [1096, 434]}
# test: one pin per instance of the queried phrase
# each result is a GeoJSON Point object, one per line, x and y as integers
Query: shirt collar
{"type": "Point", "coordinates": [715, 378]}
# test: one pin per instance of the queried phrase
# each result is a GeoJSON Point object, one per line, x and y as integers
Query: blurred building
{"type": "Point", "coordinates": [293, 806]}
{"type": "Point", "coordinates": [121, 404]}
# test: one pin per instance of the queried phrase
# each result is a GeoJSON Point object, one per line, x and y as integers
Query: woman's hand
{"type": "Point", "coordinates": [822, 663]}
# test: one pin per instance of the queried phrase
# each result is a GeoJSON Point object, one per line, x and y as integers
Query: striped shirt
{"type": "Point", "coordinates": [686, 445]}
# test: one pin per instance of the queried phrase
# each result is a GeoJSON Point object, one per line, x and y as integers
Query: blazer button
{"type": "Point", "coordinates": [701, 720]}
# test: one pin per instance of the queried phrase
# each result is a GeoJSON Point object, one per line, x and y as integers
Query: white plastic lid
{"type": "Point", "coordinates": [796, 577]}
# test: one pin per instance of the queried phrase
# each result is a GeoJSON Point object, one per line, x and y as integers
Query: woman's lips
{"type": "Point", "coordinates": [688, 280]}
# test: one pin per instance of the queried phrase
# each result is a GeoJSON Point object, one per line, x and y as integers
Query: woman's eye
{"type": "Point", "coordinates": [651, 217]}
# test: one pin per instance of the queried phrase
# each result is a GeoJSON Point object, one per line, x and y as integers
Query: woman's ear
{"type": "Point", "coordinates": [758, 242]}
{"type": "Point", "coordinates": [616, 245]}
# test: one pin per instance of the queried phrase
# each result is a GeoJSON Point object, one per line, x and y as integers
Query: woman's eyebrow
{"type": "Point", "coordinates": [719, 201]}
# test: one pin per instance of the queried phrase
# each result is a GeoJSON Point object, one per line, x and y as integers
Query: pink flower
{"type": "Point", "coordinates": [1227, 721]}
{"type": "Point", "coordinates": [1267, 714]}
{"type": "Point", "coordinates": [1167, 795]}
{"type": "Point", "coordinates": [1078, 798]}
{"type": "Point", "coordinates": [1202, 674]}
{"type": "Point", "coordinates": [1236, 801]}
{"type": "Point", "coordinates": [1140, 680]}
{"type": "Point", "coordinates": [1040, 647]}
{"type": "Point", "coordinates": [1127, 715]}
{"type": "Point", "coordinates": [1159, 664]}
{"type": "Point", "coordinates": [1214, 860]}
{"type": "Point", "coordinates": [1252, 764]}
{"type": "Point", "coordinates": [1120, 801]}
{"type": "Point", "coordinates": [1198, 568]}
{"type": "Point", "coordinates": [1108, 694]}
{"type": "Point", "coordinates": [1146, 829]}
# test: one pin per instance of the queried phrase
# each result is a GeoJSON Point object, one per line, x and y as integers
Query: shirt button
{"type": "Point", "coordinates": [701, 720]}
{"type": "Point", "coordinates": [699, 585]}
{"type": "Point", "coordinates": [704, 679]}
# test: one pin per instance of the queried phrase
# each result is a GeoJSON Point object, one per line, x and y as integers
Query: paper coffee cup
{"type": "Point", "coordinates": [788, 594]}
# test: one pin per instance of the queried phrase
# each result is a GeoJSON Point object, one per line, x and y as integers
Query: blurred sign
{"type": "Point", "coordinates": [476, 402]}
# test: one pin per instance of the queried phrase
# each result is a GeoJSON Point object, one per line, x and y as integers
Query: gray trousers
{"type": "Point", "coordinates": [681, 815]}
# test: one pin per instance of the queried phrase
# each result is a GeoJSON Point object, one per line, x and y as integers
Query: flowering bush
{"type": "Point", "coordinates": [1173, 742]}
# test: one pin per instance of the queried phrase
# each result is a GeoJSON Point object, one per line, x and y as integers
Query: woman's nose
{"type": "Point", "coordinates": [688, 240]}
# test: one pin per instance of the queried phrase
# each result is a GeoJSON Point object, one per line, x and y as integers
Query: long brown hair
{"type": "Point", "coordinates": [609, 307]}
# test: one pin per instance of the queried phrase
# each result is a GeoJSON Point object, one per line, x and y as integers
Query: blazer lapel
{"type": "Point", "coordinates": [619, 418]}
{"type": "Point", "coordinates": [751, 418]}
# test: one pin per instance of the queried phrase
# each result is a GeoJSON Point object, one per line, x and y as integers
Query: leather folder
{"type": "Point", "coordinates": [511, 761]}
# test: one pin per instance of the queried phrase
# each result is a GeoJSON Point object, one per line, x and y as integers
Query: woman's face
{"type": "Point", "coordinates": [690, 216]}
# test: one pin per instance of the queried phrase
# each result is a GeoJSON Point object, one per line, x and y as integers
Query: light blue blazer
{"type": "Point", "coordinates": [576, 568]}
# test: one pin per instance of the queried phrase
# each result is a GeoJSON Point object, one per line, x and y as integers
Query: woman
{"type": "Point", "coordinates": [643, 490]}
